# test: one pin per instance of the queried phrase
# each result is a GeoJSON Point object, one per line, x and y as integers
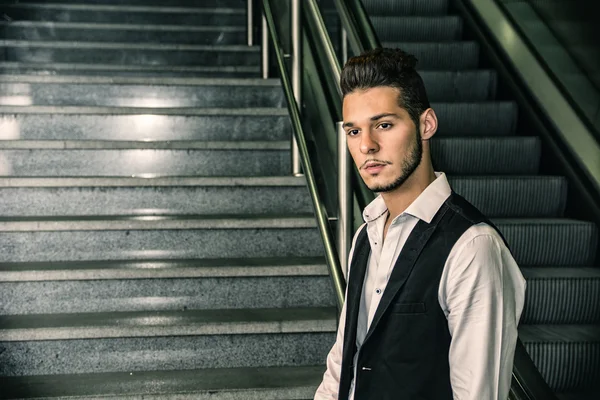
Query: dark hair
{"type": "Point", "coordinates": [387, 67]}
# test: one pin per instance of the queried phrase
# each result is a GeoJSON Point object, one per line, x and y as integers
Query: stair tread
{"type": "Point", "coordinates": [570, 333]}
{"type": "Point", "coordinates": [124, 67]}
{"type": "Point", "coordinates": [203, 111]}
{"type": "Point", "coordinates": [156, 181]}
{"type": "Point", "coordinates": [257, 383]}
{"type": "Point", "coordinates": [166, 323]}
{"type": "Point", "coordinates": [139, 81]}
{"type": "Point", "coordinates": [59, 144]}
{"type": "Point", "coordinates": [151, 222]}
{"type": "Point", "coordinates": [48, 44]}
{"type": "Point", "coordinates": [122, 26]}
{"type": "Point", "coordinates": [130, 8]}
{"type": "Point", "coordinates": [143, 269]}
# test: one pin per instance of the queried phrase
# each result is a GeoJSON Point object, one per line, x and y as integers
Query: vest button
{"type": "Point", "coordinates": [378, 291]}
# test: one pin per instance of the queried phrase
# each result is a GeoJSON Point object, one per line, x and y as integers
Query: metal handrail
{"type": "Point", "coordinates": [320, 213]}
{"type": "Point", "coordinates": [357, 24]}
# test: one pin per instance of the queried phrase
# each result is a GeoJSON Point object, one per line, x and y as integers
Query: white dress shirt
{"type": "Point", "coordinates": [481, 292]}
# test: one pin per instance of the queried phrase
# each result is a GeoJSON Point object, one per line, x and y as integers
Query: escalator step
{"type": "Point", "coordinates": [519, 196]}
{"type": "Point", "coordinates": [557, 295]}
{"type": "Point", "coordinates": [567, 356]}
{"type": "Point", "coordinates": [481, 118]}
{"type": "Point", "coordinates": [476, 85]}
{"type": "Point", "coordinates": [549, 241]}
{"type": "Point", "coordinates": [425, 29]}
{"type": "Point", "coordinates": [486, 155]}
{"type": "Point", "coordinates": [451, 55]}
{"type": "Point", "coordinates": [406, 7]}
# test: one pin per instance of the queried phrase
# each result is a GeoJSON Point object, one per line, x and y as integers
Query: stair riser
{"type": "Point", "coordinates": [437, 56]}
{"type": "Point", "coordinates": [120, 16]}
{"type": "Point", "coordinates": [163, 353]}
{"type": "Point", "coordinates": [100, 55]}
{"type": "Point", "coordinates": [487, 156]}
{"type": "Point", "coordinates": [520, 197]}
{"type": "Point", "coordinates": [139, 127]}
{"type": "Point", "coordinates": [233, 36]}
{"type": "Point", "coordinates": [490, 119]}
{"type": "Point", "coordinates": [96, 70]}
{"type": "Point", "coordinates": [551, 244]}
{"type": "Point", "coordinates": [158, 200]}
{"type": "Point", "coordinates": [567, 366]}
{"type": "Point", "coordinates": [140, 162]}
{"type": "Point", "coordinates": [418, 29]}
{"type": "Point", "coordinates": [157, 96]}
{"type": "Point", "coordinates": [411, 7]}
{"type": "Point", "coordinates": [169, 3]}
{"type": "Point", "coordinates": [562, 301]}
{"type": "Point", "coordinates": [528, 197]}
{"type": "Point", "coordinates": [480, 157]}
{"type": "Point", "coordinates": [164, 294]}
{"type": "Point", "coordinates": [169, 244]}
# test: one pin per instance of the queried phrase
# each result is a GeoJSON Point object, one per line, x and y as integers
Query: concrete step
{"type": "Point", "coordinates": [159, 3]}
{"type": "Point", "coordinates": [125, 33]}
{"type": "Point", "coordinates": [274, 383]}
{"type": "Point", "coordinates": [165, 237]}
{"type": "Point", "coordinates": [127, 53]}
{"type": "Point", "coordinates": [233, 159]}
{"type": "Point", "coordinates": [567, 356]}
{"type": "Point", "coordinates": [164, 340]}
{"type": "Point", "coordinates": [129, 14]}
{"type": "Point", "coordinates": [86, 69]}
{"type": "Point", "coordinates": [121, 123]}
{"type": "Point", "coordinates": [148, 196]}
{"type": "Point", "coordinates": [478, 85]}
{"type": "Point", "coordinates": [129, 123]}
{"type": "Point", "coordinates": [562, 295]}
{"type": "Point", "coordinates": [498, 196]}
{"type": "Point", "coordinates": [469, 156]}
{"type": "Point", "coordinates": [164, 285]}
{"type": "Point", "coordinates": [139, 92]}
{"type": "Point", "coordinates": [534, 242]}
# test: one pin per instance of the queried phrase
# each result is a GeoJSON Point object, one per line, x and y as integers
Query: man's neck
{"type": "Point", "coordinates": [402, 197]}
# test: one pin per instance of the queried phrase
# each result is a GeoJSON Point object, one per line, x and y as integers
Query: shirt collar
{"type": "Point", "coordinates": [423, 207]}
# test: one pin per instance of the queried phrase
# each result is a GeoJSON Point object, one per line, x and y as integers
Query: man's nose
{"type": "Point", "coordinates": [367, 144]}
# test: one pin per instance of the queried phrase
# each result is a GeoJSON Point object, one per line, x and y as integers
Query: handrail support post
{"type": "Point", "coordinates": [296, 76]}
{"type": "Point", "coordinates": [344, 231]}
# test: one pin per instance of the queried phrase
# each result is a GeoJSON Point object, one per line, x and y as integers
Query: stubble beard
{"type": "Point", "coordinates": [409, 165]}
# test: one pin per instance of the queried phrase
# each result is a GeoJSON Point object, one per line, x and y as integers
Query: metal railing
{"type": "Point", "coordinates": [304, 158]}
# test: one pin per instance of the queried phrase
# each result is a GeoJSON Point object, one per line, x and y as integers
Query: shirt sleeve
{"type": "Point", "coordinates": [329, 387]}
{"type": "Point", "coordinates": [482, 293]}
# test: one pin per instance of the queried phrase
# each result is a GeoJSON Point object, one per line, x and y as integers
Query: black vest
{"type": "Point", "coordinates": [405, 352]}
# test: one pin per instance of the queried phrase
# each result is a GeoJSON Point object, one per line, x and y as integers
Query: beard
{"type": "Point", "coordinates": [409, 165]}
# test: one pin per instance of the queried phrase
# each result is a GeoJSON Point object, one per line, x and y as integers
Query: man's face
{"type": "Point", "coordinates": [382, 138]}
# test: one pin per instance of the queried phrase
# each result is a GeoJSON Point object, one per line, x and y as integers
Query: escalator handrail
{"type": "Point", "coordinates": [294, 112]}
{"type": "Point", "coordinates": [356, 22]}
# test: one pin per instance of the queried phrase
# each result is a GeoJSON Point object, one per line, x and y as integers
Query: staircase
{"type": "Point", "coordinates": [496, 165]}
{"type": "Point", "coordinates": [152, 241]}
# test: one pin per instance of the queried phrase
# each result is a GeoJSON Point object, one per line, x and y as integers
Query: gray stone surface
{"type": "Point", "coordinates": [164, 294]}
{"type": "Point", "coordinates": [125, 33]}
{"type": "Point", "coordinates": [127, 14]}
{"type": "Point", "coordinates": [127, 53]}
{"type": "Point", "coordinates": [169, 244]}
{"type": "Point", "coordinates": [86, 69]}
{"type": "Point", "coordinates": [154, 200]}
{"type": "Point", "coordinates": [163, 353]}
{"type": "Point", "coordinates": [275, 383]}
{"type": "Point", "coordinates": [144, 126]}
{"type": "Point", "coordinates": [142, 163]}
{"type": "Point", "coordinates": [145, 95]}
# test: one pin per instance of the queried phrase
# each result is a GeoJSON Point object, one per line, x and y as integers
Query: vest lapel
{"type": "Point", "coordinates": [405, 263]}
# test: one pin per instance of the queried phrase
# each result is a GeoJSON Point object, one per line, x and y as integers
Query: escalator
{"type": "Point", "coordinates": [498, 159]}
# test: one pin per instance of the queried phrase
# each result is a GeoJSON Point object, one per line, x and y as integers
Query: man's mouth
{"type": "Point", "coordinates": [374, 167]}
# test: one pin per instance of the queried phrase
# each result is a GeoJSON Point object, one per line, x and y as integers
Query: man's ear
{"type": "Point", "coordinates": [429, 124]}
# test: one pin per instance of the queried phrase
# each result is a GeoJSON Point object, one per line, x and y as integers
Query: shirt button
{"type": "Point", "coordinates": [378, 291]}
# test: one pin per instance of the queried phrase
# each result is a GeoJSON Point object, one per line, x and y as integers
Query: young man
{"type": "Point", "coordinates": [434, 296]}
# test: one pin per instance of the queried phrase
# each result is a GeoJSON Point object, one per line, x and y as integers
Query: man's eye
{"type": "Point", "coordinates": [352, 132]}
{"type": "Point", "coordinates": [385, 125]}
